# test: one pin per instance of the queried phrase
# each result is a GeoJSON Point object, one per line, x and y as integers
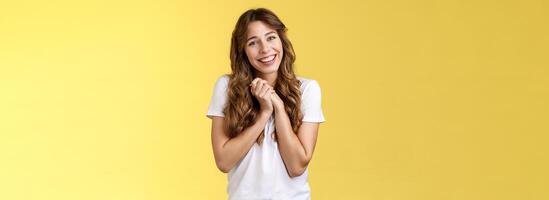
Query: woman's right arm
{"type": "Point", "coordinates": [228, 151]}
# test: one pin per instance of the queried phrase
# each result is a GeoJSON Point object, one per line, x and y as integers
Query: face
{"type": "Point", "coordinates": [263, 48]}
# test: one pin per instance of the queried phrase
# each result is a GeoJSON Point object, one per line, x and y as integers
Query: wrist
{"type": "Point", "coordinates": [266, 113]}
{"type": "Point", "coordinates": [279, 108]}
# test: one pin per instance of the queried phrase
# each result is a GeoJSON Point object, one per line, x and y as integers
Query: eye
{"type": "Point", "coordinates": [272, 37]}
{"type": "Point", "coordinates": [251, 43]}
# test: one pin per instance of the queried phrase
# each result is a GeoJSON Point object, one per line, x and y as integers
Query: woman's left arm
{"type": "Point", "coordinates": [296, 149]}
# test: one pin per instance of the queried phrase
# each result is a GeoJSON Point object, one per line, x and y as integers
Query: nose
{"type": "Point", "coordinates": [265, 47]}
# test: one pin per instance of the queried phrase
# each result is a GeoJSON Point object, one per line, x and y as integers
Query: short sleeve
{"type": "Point", "coordinates": [219, 97]}
{"type": "Point", "coordinates": [311, 103]}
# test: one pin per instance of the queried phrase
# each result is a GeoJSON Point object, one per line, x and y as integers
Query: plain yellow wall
{"type": "Point", "coordinates": [425, 100]}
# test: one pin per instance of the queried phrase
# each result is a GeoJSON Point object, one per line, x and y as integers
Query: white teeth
{"type": "Point", "coordinates": [267, 59]}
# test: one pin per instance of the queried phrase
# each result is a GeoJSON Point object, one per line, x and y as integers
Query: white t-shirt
{"type": "Point", "coordinates": [261, 174]}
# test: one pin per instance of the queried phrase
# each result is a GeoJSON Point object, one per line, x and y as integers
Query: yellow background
{"type": "Point", "coordinates": [424, 100]}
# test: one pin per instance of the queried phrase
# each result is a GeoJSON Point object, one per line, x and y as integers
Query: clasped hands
{"type": "Point", "coordinates": [266, 95]}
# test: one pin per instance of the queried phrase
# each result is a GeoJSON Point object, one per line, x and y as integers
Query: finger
{"type": "Point", "coordinates": [264, 82]}
{"type": "Point", "coordinates": [259, 87]}
{"type": "Point", "coordinates": [261, 90]}
{"type": "Point", "coordinates": [265, 91]}
{"type": "Point", "coordinates": [253, 85]}
{"type": "Point", "coordinates": [275, 95]}
{"type": "Point", "coordinates": [264, 96]}
{"type": "Point", "coordinates": [254, 82]}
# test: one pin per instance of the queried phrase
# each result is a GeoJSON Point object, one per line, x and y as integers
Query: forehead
{"type": "Point", "coordinates": [258, 28]}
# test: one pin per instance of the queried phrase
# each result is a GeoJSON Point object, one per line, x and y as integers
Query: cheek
{"type": "Point", "coordinates": [249, 54]}
{"type": "Point", "coordinates": [280, 55]}
{"type": "Point", "coordinates": [279, 46]}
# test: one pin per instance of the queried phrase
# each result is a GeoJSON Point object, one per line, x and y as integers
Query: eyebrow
{"type": "Point", "coordinates": [256, 37]}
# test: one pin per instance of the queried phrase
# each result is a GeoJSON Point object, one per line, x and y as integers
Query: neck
{"type": "Point", "coordinates": [270, 78]}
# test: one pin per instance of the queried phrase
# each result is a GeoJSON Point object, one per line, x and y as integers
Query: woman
{"type": "Point", "coordinates": [264, 119]}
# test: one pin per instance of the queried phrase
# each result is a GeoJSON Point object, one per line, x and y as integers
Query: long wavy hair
{"type": "Point", "coordinates": [242, 107]}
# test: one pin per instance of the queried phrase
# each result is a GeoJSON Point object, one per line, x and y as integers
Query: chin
{"type": "Point", "coordinates": [267, 70]}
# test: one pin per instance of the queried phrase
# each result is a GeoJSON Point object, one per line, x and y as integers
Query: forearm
{"type": "Point", "coordinates": [234, 149]}
{"type": "Point", "coordinates": [291, 149]}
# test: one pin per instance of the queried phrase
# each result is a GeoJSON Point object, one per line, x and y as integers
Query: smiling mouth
{"type": "Point", "coordinates": [268, 60]}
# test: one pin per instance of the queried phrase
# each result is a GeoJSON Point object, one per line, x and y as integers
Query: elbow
{"type": "Point", "coordinates": [297, 171]}
{"type": "Point", "coordinates": [223, 164]}
{"type": "Point", "coordinates": [222, 167]}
